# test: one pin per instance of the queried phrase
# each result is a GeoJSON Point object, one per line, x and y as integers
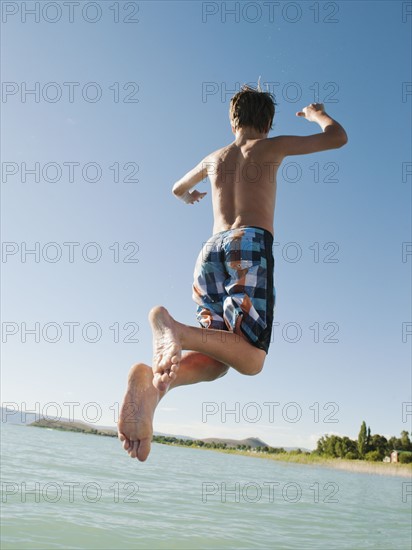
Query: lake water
{"type": "Point", "coordinates": [68, 490]}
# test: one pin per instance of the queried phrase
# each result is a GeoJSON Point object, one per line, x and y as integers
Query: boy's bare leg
{"type": "Point", "coordinates": [170, 337]}
{"type": "Point", "coordinates": [135, 424]}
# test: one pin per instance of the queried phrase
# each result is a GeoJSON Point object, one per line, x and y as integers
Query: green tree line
{"type": "Point", "coordinates": [212, 445]}
{"type": "Point", "coordinates": [366, 447]}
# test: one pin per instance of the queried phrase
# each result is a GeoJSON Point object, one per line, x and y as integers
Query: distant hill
{"type": "Point", "coordinates": [10, 416]}
{"type": "Point", "coordinates": [17, 417]}
{"type": "Point", "coordinates": [251, 441]}
{"type": "Point", "coordinates": [184, 437]}
{"type": "Point", "coordinates": [76, 426]}
{"type": "Point", "coordinates": [82, 427]}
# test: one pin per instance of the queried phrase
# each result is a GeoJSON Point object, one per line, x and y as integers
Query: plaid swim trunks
{"type": "Point", "coordinates": [234, 276]}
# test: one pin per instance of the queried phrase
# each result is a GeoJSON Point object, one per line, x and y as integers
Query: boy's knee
{"type": "Point", "coordinates": [255, 366]}
{"type": "Point", "coordinates": [223, 370]}
{"type": "Point", "coordinates": [217, 371]}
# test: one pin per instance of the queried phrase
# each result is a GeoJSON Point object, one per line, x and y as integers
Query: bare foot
{"type": "Point", "coordinates": [167, 350]}
{"type": "Point", "coordinates": [135, 426]}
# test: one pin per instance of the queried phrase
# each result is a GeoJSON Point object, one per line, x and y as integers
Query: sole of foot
{"type": "Point", "coordinates": [167, 350]}
{"type": "Point", "coordinates": [135, 425]}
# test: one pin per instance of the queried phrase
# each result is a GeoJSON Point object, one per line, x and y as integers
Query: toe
{"type": "Point", "coordinates": [134, 449]}
{"type": "Point", "coordinates": [144, 449]}
{"type": "Point", "coordinates": [157, 381]}
{"type": "Point", "coordinates": [157, 367]}
{"type": "Point", "coordinates": [160, 386]}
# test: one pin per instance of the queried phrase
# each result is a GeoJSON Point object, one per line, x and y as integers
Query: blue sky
{"type": "Point", "coordinates": [182, 61]}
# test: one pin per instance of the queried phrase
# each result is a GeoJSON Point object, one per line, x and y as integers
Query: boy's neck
{"type": "Point", "coordinates": [246, 133]}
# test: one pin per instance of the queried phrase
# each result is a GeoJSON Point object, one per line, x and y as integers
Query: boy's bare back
{"type": "Point", "coordinates": [243, 174]}
{"type": "Point", "coordinates": [243, 183]}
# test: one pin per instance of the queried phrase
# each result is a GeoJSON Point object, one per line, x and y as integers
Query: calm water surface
{"type": "Point", "coordinates": [68, 490]}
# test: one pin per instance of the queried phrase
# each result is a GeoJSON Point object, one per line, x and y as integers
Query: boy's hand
{"type": "Point", "coordinates": [312, 111]}
{"type": "Point", "coordinates": [194, 196]}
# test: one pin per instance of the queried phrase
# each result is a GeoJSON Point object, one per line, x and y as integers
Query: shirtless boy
{"type": "Point", "coordinates": [233, 278]}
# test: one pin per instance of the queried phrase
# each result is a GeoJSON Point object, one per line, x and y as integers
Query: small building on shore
{"type": "Point", "coordinates": [395, 456]}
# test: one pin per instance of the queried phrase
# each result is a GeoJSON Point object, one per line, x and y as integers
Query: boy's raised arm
{"type": "Point", "coordinates": [333, 135]}
{"type": "Point", "coordinates": [181, 187]}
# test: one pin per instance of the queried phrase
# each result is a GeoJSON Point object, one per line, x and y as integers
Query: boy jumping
{"type": "Point", "coordinates": [233, 278]}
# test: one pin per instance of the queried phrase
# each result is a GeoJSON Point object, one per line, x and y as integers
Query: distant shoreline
{"type": "Point", "coordinates": [355, 466]}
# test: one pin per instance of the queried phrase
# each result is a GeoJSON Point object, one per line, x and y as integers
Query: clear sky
{"type": "Point", "coordinates": [126, 98]}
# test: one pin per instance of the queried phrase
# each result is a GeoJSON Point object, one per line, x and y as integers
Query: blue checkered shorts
{"type": "Point", "coordinates": [234, 276]}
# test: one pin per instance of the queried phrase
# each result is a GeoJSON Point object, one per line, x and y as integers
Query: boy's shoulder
{"type": "Point", "coordinates": [265, 145]}
{"type": "Point", "coordinates": [218, 154]}
{"type": "Point", "coordinates": [222, 150]}
{"type": "Point", "coordinates": [260, 143]}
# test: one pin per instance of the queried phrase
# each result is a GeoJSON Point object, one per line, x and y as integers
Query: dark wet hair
{"type": "Point", "coordinates": [252, 107]}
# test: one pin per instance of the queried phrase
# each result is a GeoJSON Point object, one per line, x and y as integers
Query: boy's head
{"type": "Point", "coordinates": [252, 108]}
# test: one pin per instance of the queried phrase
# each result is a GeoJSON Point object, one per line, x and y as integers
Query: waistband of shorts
{"type": "Point", "coordinates": [261, 230]}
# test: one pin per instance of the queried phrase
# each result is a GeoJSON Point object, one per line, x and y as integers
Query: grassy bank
{"type": "Point", "coordinates": [361, 466]}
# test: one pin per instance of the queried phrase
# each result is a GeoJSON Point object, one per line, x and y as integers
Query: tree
{"type": "Point", "coordinates": [339, 451]}
{"type": "Point", "coordinates": [373, 456]}
{"type": "Point", "coordinates": [393, 444]}
{"type": "Point", "coordinates": [405, 441]}
{"type": "Point", "coordinates": [405, 458]}
{"type": "Point", "coordinates": [350, 455]}
{"type": "Point", "coordinates": [362, 439]}
{"type": "Point", "coordinates": [349, 446]}
{"type": "Point", "coordinates": [379, 443]}
{"type": "Point", "coordinates": [368, 439]}
{"type": "Point", "coordinates": [320, 446]}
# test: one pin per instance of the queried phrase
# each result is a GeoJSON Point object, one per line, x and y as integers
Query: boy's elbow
{"type": "Point", "coordinates": [340, 140]}
{"type": "Point", "coordinates": [335, 137]}
{"type": "Point", "coordinates": [344, 139]}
